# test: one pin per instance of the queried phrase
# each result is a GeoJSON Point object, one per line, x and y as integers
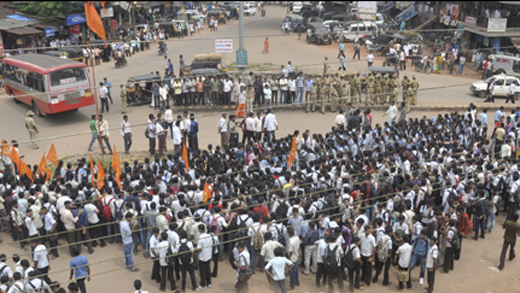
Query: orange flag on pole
{"type": "Point", "coordinates": [100, 176]}
{"type": "Point", "coordinates": [44, 167]}
{"type": "Point", "coordinates": [94, 21]}
{"type": "Point", "coordinates": [24, 169]}
{"type": "Point", "coordinates": [114, 159]}
{"type": "Point", "coordinates": [91, 170]}
{"type": "Point", "coordinates": [6, 151]}
{"type": "Point", "coordinates": [15, 157]}
{"type": "Point", "coordinates": [52, 156]}
{"type": "Point", "coordinates": [292, 155]}
{"type": "Point", "coordinates": [185, 156]}
{"type": "Point", "coordinates": [118, 171]}
{"type": "Point", "coordinates": [206, 194]}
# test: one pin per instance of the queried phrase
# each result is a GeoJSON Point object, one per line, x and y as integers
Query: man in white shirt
{"type": "Point", "coordinates": [270, 125]}
{"type": "Point", "coordinates": [511, 93]}
{"type": "Point", "coordinates": [126, 234]}
{"type": "Point", "coordinates": [228, 87]}
{"type": "Point", "coordinates": [368, 251]}
{"type": "Point", "coordinates": [250, 128]}
{"type": "Point", "coordinates": [222, 130]}
{"type": "Point", "coordinates": [126, 132]}
{"type": "Point", "coordinates": [431, 263]}
{"type": "Point", "coordinates": [392, 112]}
{"type": "Point", "coordinates": [163, 250]}
{"type": "Point", "coordinates": [41, 259]}
{"type": "Point", "coordinates": [385, 241]}
{"type": "Point", "coordinates": [294, 247]}
{"type": "Point", "coordinates": [204, 246]}
{"type": "Point", "coordinates": [404, 253]}
{"type": "Point", "coordinates": [340, 120]}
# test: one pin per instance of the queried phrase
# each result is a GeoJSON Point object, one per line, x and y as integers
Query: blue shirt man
{"type": "Point", "coordinates": [308, 83]}
{"type": "Point", "coordinates": [421, 247]}
{"type": "Point", "coordinates": [107, 84]}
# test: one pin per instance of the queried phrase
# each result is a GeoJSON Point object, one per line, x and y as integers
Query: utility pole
{"type": "Point", "coordinates": [241, 45]}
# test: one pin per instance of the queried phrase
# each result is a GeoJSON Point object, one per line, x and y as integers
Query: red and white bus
{"type": "Point", "coordinates": [50, 85]}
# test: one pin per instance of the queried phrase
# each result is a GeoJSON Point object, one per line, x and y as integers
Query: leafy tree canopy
{"type": "Point", "coordinates": [49, 8]}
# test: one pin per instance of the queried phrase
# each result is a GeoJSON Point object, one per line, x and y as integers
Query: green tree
{"type": "Point", "coordinates": [49, 8]}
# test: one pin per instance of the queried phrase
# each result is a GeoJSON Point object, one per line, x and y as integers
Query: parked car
{"type": "Point", "coordinates": [132, 31]}
{"type": "Point", "coordinates": [381, 42]}
{"type": "Point", "coordinates": [502, 83]}
{"type": "Point", "coordinates": [359, 29]}
{"type": "Point", "coordinates": [249, 9]}
{"type": "Point", "coordinates": [318, 33]}
{"type": "Point", "coordinates": [297, 7]}
{"type": "Point", "coordinates": [295, 20]}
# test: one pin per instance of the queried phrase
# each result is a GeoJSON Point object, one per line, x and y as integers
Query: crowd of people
{"type": "Point", "coordinates": [346, 204]}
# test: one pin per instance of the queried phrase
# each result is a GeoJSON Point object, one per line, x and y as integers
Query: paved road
{"type": "Point", "coordinates": [65, 129]}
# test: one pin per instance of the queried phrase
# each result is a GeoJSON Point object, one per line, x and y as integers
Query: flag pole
{"type": "Point", "coordinates": [95, 91]}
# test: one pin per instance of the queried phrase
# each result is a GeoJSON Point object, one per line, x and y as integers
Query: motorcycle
{"type": "Point", "coordinates": [390, 60]}
{"type": "Point", "coordinates": [161, 50]}
{"type": "Point", "coordinates": [119, 62]}
{"type": "Point", "coordinates": [370, 45]}
{"type": "Point", "coordinates": [423, 65]}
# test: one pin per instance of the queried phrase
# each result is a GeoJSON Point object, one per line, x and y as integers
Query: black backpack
{"type": "Point", "coordinates": [233, 227]}
{"type": "Point", "coordinates": [282, 209]}
{"type": "Point", "coordinates": [348, 260]}
{"type": "Point", "coordinates": [185, 254]}
{"type": "Point", "coordinates": [242, 228]}
{"type": "Point", "coordinates": [170, 258]}
{"type": "Point", "coordinates": [330, 259]}
{"type": "Point", "coordinates": [118, 212]}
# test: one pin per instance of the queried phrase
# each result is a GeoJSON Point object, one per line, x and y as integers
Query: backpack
{"type": "Point", "coordinates": [382, 254]}
{"type": "Point", "coordinates": [282, 208]}
{"type": "Point", "coordinates": [190, 201]}
{"type": "Point", "coordinates": [107, 211]}
{"type": "Point", "coordinates": [242, 228]}
{"type": "Point", "coordinates": [214, 222]}
{"type": "Point", "coordinates": [232, 260]}
{"type": "Point", "coordinates": [330, 259]}
{"type": "Point", "coordinates": [348, 259]}
{"type": "Point", "coordinates": [281, 237]}
{"type": "Point", "coordinates": [119, 213]}
{"type": "Point", "coordinates": [258, 239]}
{"type": "Point", "coordinates": [185, 253]}
{"type": "Point", "coordinates": [175, 191]}
{"type": "Point", "coordinates": [455, 240]}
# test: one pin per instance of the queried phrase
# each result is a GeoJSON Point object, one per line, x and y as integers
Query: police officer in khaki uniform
{"type": "Point", "coordinates": [122, 95]}
{"type": "Point", "coordinates": [326, 65]}
{"type": "Point", "coordinates": [341, 92]}
{"type": "Point", "coordinates": [386, 87]}
{"type": "Point", "coordinates": [32, 129]}
{"type": "Point", "coordinates": [394, 83]}
{"type": "Point", "coordinates": [358, 85]}
{"type": "Point", "coordinates": [370, 89]}
{"type": "Point", "coordinates": [326, 92]}
{"type": "Point", "coordinates": [313, 95]}
{"type": "Point", "coordinates": [415, 86]}
{"type": "Point", "coordinates": [334, 96]}
{"type": "Point", "coordinates": [405, 83]}
{"type": "Point", "coordinates": [322, 95]}
{"type": "Point", "coordinates": [378, 89]}
{"type": "Point", "coordinates": [352, 83]}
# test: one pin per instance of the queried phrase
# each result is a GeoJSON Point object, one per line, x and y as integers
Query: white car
{"type": "Point", "coordinates": [502, 83]}
{"type": "Point", "coordinates": [249, 9]}
{"type": "Point", "coordinates": [297, 7]}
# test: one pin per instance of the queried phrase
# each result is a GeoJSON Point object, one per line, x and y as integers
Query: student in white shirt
{"type": "Point", "coordinates": [138, 286]}
{"type": "Point", "coordinates": [431, 263]}
{"type": "Point", "coordinates": [354, 251]}
{"type": "Point", "coordinates": [205, 253]}
{"type": "Point", "coordinates": [185, 252]}
{"type": "Point", "coordinates": [405, 254]}
{"type": "Point", "coordinates": [41, 259]}
{"type": "Point", "coordinates": [368, 251]}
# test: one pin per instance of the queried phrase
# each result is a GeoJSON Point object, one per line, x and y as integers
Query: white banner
{"type": "Point", "coordinates": [367, 7]}
{"type": "Point", "coordinates": [497, 24]}
{"type": "Point", "coordinates": [110, 12]}
{"type": "Point", "coordinates": [223, 45]}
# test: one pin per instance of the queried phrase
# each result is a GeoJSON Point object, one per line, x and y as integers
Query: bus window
{"type": "Point", "coordinates": [68, 75]}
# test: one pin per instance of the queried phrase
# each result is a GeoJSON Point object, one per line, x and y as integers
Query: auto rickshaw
{"type": "Point", "coordinates": [59, 54]}
{"type": "Point", "coordinates": [73, 53]}
{"type": "Point", "coordinates": [139, 88]}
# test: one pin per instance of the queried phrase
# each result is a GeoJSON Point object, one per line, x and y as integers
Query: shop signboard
{"type": "Point", "coordinates": [76, 19]}
{"type": "Point", "coordinates": [497, 24]}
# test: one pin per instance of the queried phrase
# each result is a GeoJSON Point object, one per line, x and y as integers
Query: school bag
{"type": "Point", "coordinates": [330, 259]}
{"type": "Point", "coordinates": [242, 228]}
{"type": "Point", "coordinates": [348, 259]}
{"type": "Point", "coordinates": [185, 253]}
{"type": "Point", "coordinates": [455, 240]}
{"type": "Point", "coordinates": [190, 201]}
{"type": "Point", "coordinates": [107, 211]}
{"type": "Point", "coordinates": [381, 252]}
{"type": "Point", "coordinates": [281, 238]}
{"type": "Point", "coordinates": [214, 222]}
{"type": "Point", "coordinates": [170, 256]}
{"type": "Point", "coordinates": [118, 212]}
{"type": "Point", "coordinates": [258, 239]}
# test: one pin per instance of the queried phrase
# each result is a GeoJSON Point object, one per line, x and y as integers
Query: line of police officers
{"type": "Point", "coordinates": [339, 89]}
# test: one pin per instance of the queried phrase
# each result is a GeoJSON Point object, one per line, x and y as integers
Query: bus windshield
{"type": "Point", "coordinates": [66, 76]}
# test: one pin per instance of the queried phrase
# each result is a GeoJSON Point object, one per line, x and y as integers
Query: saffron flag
{"type": "Point", "coordinates": [100, 176]}
{"type": "Point", "coordinates": [185, 156]}
{"type": "Point", "coordinates": [118, 171]}
{"type": "Point", "coordinates": [15, 157]}
{"type": "Point", "coordinates": [52, 156]}
{"type": "Point", "coordinates": [114, 159]}
{"type": "Point", "coordinates": [94, 21]}
{"type": "Point", "coordinates": [292, 155]}
{"type": "Point", "coordinates": [91, 170]}
{"type": "Point", "coordinates": [207, 194]}
{"type": "Point", "coordinates": [6, 151]}
{"type": "Point", "coordinates": [24, 169]}
{"type": "Point", "coordinates": [44, 167]}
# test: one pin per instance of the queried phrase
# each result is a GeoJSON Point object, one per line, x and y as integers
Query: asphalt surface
{"type": "Point", "coordinates": [69, 131]}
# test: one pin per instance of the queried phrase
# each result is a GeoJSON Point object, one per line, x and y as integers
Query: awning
{"type": "Point", "coordinates": [25, 31]}
{"type": "Point", "coordinates": [510, 2]}
{"type": "Point", "coordinates": [151, 4]}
